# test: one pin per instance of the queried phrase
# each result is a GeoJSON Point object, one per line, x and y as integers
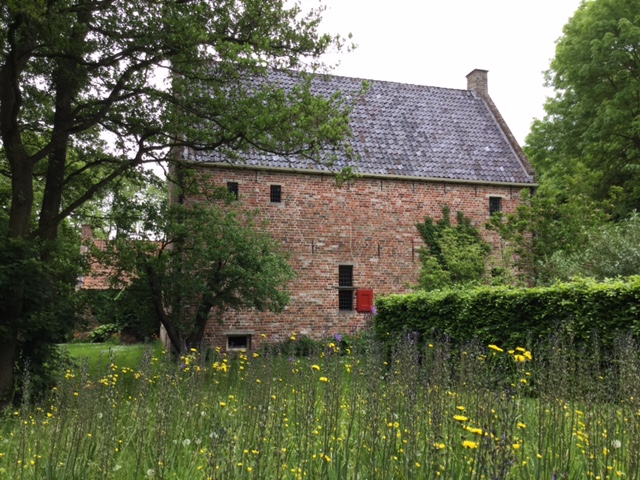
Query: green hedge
{"type": "Point", "coordinates": [512, 317]}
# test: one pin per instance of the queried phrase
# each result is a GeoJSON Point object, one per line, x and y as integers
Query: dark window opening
{"type": "Point", "coordinates": [232, 188]}
{"type": "Point", "coordinates": [345, 299]}
{"type": "Point", "coordinates": [345, 287]}
{"type": "Point", "coordinates": [238, 342]}
{"type": "Point", "coordinates": [495, 205]}
{"type": "Point", "coordinates": [276, 194]}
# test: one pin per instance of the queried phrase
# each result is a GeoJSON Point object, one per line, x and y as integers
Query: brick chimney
{"type": "Point", "coordinates": [87, 232]}
{"type": "Point", "coordinates": [477, 82]}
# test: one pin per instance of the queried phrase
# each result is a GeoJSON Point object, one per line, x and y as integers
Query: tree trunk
{"type": "Point", "coordinates": [202, 316]}
{"type": "Point", "coordinates": [19, 221]}
{"type": "Point", "coordinates": [165, 320]}
{"type": "Point", "coordinates": [8, 346]}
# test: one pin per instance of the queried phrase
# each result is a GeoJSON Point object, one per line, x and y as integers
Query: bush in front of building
{"type": "Point", "coordinates": [583, 308]}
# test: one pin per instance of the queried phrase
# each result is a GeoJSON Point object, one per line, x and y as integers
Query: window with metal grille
{"type": "Point", "coordinates": [232, 188]}
{"type": "Point", "coordinates": [276, 194]}
{"type": "Point", "coordinates": [495, 205]}
{"type": "Point", "coordinates": [345, 287]}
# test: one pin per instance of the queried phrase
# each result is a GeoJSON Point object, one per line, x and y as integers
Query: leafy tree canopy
{"type": "Point", "coordinates": [188, 261]}
{"type": "Point", "coordinates": [591, 131]}
{"type": "Point", "coordinates": [92, 90]}
{"type": "Point", "coordinates": [549, 225]}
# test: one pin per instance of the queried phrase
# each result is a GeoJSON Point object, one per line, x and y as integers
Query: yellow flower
{"type": "Point", "coordinates": [470, 444]}
{"type": "Point", "coordinates": [496, 348]}
{"type": "Point", "coordinates": [324, 379]}
{"type": "Point", "coordinates": [477, 431]}
{"type": "Point", "coordinates": [460, 418]}
{"type": "Point", "coordinates": [516, 446]}
{"type": "Point", "coordinates": [439, 446]}
{"type": "Point", "coordinates": [521, 425]}
{"type": "Point", "coordinates": [519, 358]}
{"type": "Point", "coordinates": [315, 367]}
{"type": "Point", "coordinates": [461, 408]}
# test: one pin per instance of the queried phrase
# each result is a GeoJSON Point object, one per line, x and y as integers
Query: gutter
{"type": "Point", "coordinates": [364, 175]}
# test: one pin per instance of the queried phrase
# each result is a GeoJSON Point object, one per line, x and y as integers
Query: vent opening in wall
{"type": "Point", "coordinates": [238, 342]}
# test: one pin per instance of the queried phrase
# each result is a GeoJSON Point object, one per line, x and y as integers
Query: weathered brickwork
{"type": "Point", "coordinates": [369, 224]}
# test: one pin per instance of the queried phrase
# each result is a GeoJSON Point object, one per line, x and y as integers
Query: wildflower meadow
{"type": "Point", "coordinates": [407, 410]}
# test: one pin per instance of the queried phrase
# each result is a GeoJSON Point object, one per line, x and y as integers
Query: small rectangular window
{"type": "Point", "coordinates": [276, 194]}
{"type": "Point", "coordinates": [345, 300]}
{"type": "Point", "coordinates": [238, 342]}
{"type": "Point", "coordinates": [345, 275]}
{"type": "Point", "coordinates": [345, 287]}
{"type": "Point", "coordinates": [495, 205]}
{"type": "Point", "coordinates": [232, 188]}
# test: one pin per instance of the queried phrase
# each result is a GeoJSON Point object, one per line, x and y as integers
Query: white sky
{"type": "Point", "coordinates": [438, 42]}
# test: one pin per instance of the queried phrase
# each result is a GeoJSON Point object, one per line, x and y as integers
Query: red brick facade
{"type": "Point", "coordinates": [369, 224]}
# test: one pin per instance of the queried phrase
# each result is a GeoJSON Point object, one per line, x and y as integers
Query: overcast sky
{"type": "Point", "coordinates": [429, 42]}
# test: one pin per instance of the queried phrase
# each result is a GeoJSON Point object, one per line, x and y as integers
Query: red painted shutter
{"type": "Point", "coordinates": [364, 301]}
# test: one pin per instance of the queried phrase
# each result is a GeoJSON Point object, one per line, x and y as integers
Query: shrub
{"type": "Point", "coordinates": [516, 316]}
{"type": "Point", "coordinates": [103, 332]}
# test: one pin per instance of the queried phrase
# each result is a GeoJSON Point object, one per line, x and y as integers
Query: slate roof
{"type": "Point", "coordinates": [415, 131]}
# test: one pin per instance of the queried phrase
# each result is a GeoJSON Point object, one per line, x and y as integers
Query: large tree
{"type": "Point", "coordinates": [191, 261]}
{"type": "Point", "coordinates": [92, 90]}
{"type": "Point", "coordinates": [591, 131]}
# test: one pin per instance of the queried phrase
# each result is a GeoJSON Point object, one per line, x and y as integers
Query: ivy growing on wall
{"type": "Point", "coordinates": [454, 254]}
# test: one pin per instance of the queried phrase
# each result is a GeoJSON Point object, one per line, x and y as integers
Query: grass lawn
{"type": "Point", "coordinates": [98, 356]}
{"type": "Point", "coordinates": [427, 412]}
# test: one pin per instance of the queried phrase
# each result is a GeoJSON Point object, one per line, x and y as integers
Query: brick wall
{"type": "Point", "coordinates": [369, 224]}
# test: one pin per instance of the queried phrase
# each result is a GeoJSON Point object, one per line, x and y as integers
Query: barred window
{"type": "Point", "coordinates": [495, 205]}
{"type": "Point", "coordinates": [232, 188]}
{"type": "Point", "coordinates": [276, 194]}
{"type": "Point", "coordinates": [345, 287]}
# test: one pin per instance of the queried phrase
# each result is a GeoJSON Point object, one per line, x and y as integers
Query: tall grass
{"type": "Point", "coordinates": [411, 411]}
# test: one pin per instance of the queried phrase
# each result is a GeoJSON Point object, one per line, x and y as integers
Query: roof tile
{"type": "Point", "coordinates": [412, 130]}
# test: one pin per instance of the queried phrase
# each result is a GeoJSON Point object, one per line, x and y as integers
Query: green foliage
{"type": "Point", "coordinates": [300, 346]}
{"type": "Point", "coordinates": [590, 135]}
{"type": "Point", "coordinates": [543, 226]}
{"type": "Point", "coordinates": [461, 411]}
{"type": "Point", "coordinates": [516, 316]}
{"type": "Point", "coordinates": [611, 250]}
{"type": "Point", "coordinates": [51, 305]}
{"type": "Point", "coordinates": [130, 308]}
{"type": "Point", "coordinates": [103, 332]}
{"type": "Point", "coordinates": [194, 260]}
{"type": "Point", "coordinates": [155, 78]}
{"type": "Point", "coordinates": [453, 255]}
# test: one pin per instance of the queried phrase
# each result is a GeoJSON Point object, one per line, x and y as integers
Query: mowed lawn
{"type": "Point", "coordinates": [97, 357]}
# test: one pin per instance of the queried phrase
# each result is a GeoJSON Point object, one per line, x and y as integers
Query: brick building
{"type": "Point", "coordinates": [419, 148]}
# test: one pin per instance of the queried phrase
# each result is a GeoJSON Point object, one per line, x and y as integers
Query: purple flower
{"type": "Point", "coordinates": [337, 337]}
{"type": "Point", "coordinates": [292, 359]}
{"type": "Point", "coordinates": [373, 309]}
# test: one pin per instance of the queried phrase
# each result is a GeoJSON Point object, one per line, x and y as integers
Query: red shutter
{"type": "Point", "coordinates": [364, 301]}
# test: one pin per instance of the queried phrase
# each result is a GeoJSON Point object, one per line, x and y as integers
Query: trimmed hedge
{"type": "Point", "coordinates": [512, 317]}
